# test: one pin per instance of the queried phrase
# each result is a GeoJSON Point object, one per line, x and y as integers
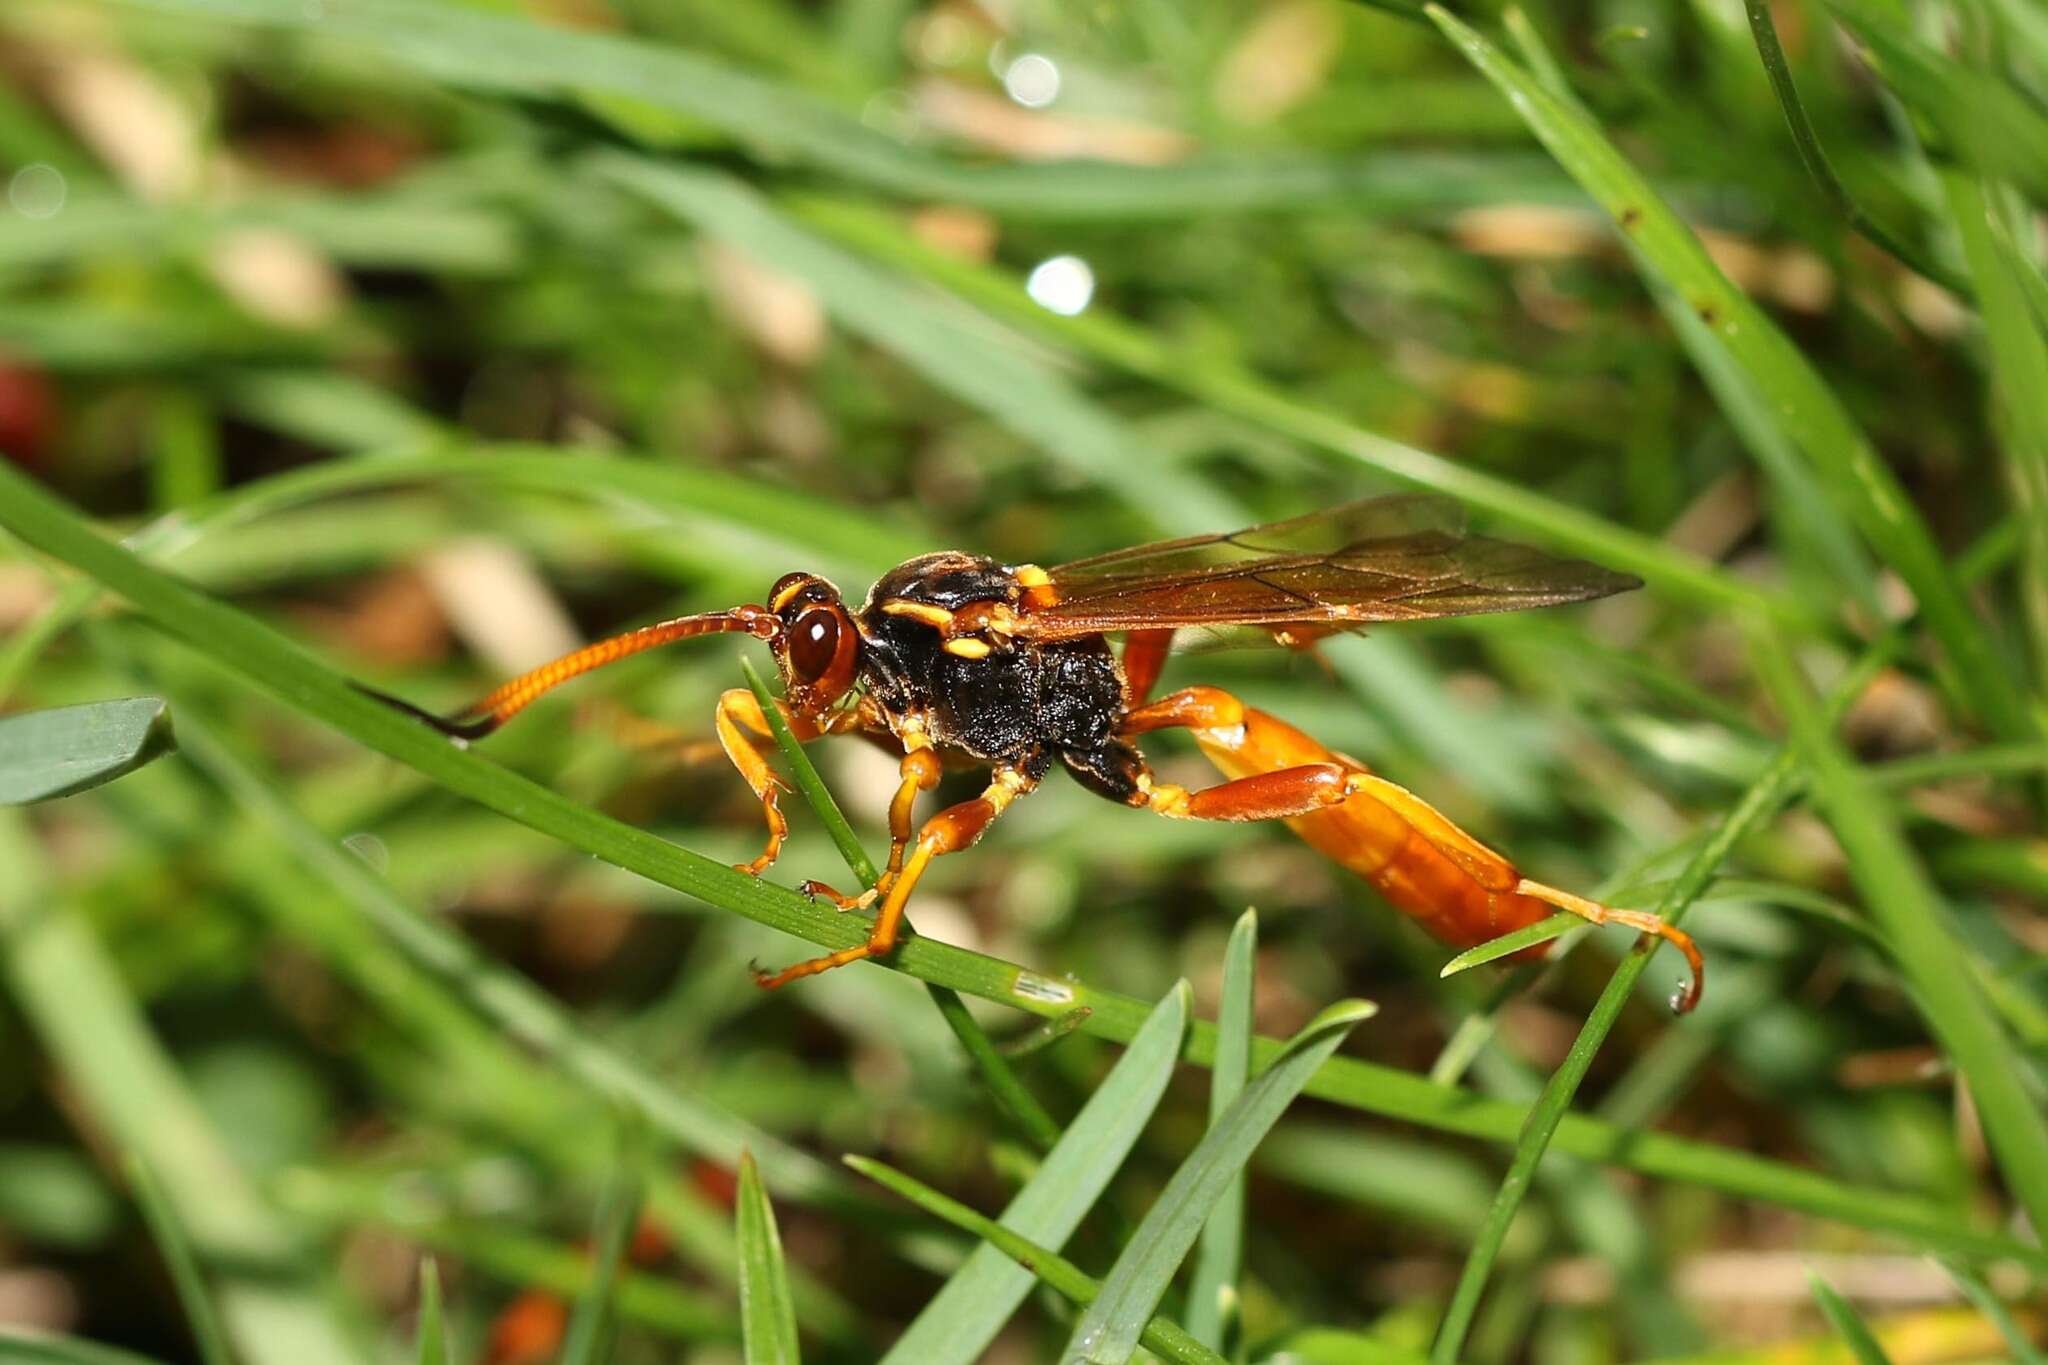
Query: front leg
{"type": "Point", "coordinates": [951, 830]}
{"type": "Point", "coordinates": [739, 723]}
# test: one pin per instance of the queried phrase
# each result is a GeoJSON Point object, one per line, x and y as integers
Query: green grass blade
{"type": "Point", "coordinates": [1545, 1117]}
{"type": "Point", "coordinates": [117, 1073]}
{"type": "Point", "coordinates": [767, 1312]}
{"type": "Point", "coordinates": [587, 1341]}
{"type": "Point", "coordinates": [1329, 1346]}
{"type": "Point", "coordinates": [1041, 1036]}
{"type": "Point", "coordinates": [508, 1254]}
{"type": "Point", "coordinates": [176, 1249]}
{"type": "Point", "coordinates": [1031, 1118]}
{"type": "Point", "coordinates": [19, 1346]}
{"type": "Point", "coordinates": [1809, 413]}
{"type": "Point", "coordinates": [431, 1332]}
{"type": "Point", "coordinates": [266, 661]}
{"type": "Point", "coordinates": [2017, 1339]}
{"type": "Point", "coordinates": [1219, 1256]}
{"type": "Point", "coordinates": [1983, 121]}
{"type": "Point", "coordinates": [1848, 1324]}
{"type": "Point", "coordinates": [1547, 1120]}
{"type": "Point", "coordinates": [1806, 140]}
{"type": "Point", "coordinates": [508, 1001]}
{"type": "Point", "coordinates": [511, 57]}
{"type": "Point", "coordinates": [830, 540]}
{"type": "Point", "coordinates": [1230, 389]}
{"type": "Point", "coordinates": [70, 749]}
{"type": "Point", "coordinates": [972, 1306]}
{"type": "Point", "coordinates": [928, 334]}
{"type": "Point", "coordinates": [1165, 1338]}
{"type": "Point", "coordinates": [1899, 896]}
{"type": "Point", "coordinates": [1509, 944]}
{"type": "Point", "coordinates": [2018, 342]}
{"type": "Point", "coordinates": [1109, 1332]}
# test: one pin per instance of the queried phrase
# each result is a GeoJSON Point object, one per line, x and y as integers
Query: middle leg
{"type": "Point", "coordinates": [918, 772]}
{"type": "Point", "coordinates": [951, 830]}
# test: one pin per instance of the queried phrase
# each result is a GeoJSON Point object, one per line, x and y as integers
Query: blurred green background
{"type": "Point", "coordinates": [441, 337]}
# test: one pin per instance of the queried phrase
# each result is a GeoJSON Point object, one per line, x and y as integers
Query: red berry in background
{"type": "Point", "coordinates": [28, 413]}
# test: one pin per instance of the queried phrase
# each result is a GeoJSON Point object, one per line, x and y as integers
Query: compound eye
{"type": "Point", "coordinates": [813, 643]}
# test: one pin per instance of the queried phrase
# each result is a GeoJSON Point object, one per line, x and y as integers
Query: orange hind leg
{"type": "Point", "coordinates": [1380, 830]}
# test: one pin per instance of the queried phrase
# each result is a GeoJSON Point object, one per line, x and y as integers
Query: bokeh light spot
{"type": "Point", "coordinates": [1063, 284]}
{"type": "Point", "coordinates": [37, 190]}
{"type": "Point", "coordinates": [1033, 80]}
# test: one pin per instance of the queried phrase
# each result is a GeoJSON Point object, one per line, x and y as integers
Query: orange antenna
{"type": "Point", "coordinates": [482, 717]}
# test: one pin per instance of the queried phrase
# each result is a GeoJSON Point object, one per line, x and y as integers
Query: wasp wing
{"type": "Point", "coordinates": [1401, 558]}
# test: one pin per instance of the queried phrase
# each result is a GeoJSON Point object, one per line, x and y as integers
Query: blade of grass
{"type": "Point", "coordinates": [1165, 1338]}
{"type": "Point", "coordinates": [431, 1332]}
{"type": "Point", "coordinates": [71, 749]}
{"type": "Point", "coordinates": [1229, 389]}
{"type": "Point", "coordinates": [1847, 1323]}
{"type": "Point", "coordinates": [2018, 343]}
{"type": "Point", "coordinates": [1509, 944]}
{"type": "Point", "coordinates": [2017, 1340]}
{"type": "Point", "coordinates": [511, 57]}
{"type": "Point", "coordinates": [1329, 1346]}
{"type": "Point", "coordinates": [1898, 895]}
{"type": "Point", "coordinates": [402, 231]}
{"type": "Point", "coordinates": [117, 1073]}
{"type": "Point", "coordinates": [835, 543]}
{"type": "Point", "coordinates": [1109, 1331]}
{"type": "Point", "coordinates": [1983, 122]}
{"type": "Point", "coordinates": [1547, 1116]}
{"type": "Point", "coordinates": [1806, 410]}
{"type": "Point", "coordinates": [507, 1254]}
{"type": "Point", "coordinates": [176, 1249]}
{"type": "Point", "coordinates": [971, 1307]}
{"type": "Point", "coordinates": [1042, 1036]}
{"type": "Point", "coordinates": [266, 661]}
{"type": "Point", "coordinates": [476, 1049]}
{"type": "Point", "coordinates": [1546, 1120]}
{"type": "Point", "coordinates": [1008, 1091]}
{"type": "Point", "coordinates": [1801, 510]}
{"type": "Point", "coordinates": [767, 1313]}
{"type": "Point", "coordinates": [510, 1003]}
{"type": "Point", "coordinates": [19, 1346]}
{"type": "Point", "coordinates": [828, 538]}
{"type": "Point", "coordinates": [1219, 1256]}
{"type": "Point", "coordinates": [587, 1340]}
{"type": "Point", "coordinates": [1807, 142]}
{"type": "Point", "coordinates": [973, 363]}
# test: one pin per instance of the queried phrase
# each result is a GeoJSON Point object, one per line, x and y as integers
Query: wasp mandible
{"type": "Point", "coordinates": [1009, 667]}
